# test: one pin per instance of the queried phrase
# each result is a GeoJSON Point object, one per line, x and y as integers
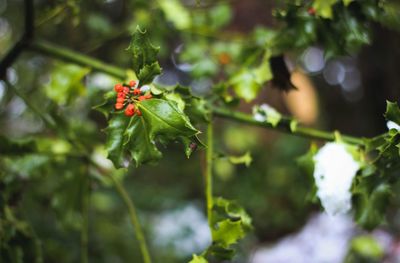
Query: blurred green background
{"type": "Point", "coordinates": [41, 190]}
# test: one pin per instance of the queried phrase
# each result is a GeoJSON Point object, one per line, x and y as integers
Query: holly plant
{"type": "Point", "coordinates": [143, 118]}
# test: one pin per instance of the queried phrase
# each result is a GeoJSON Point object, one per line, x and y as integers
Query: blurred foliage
{"type": "Point", "coordinates": [46, 174]}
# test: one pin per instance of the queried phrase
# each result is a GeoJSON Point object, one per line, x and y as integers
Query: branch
{"type": "Point", "coordinates": [284, 126]}
{"type": "Point", "coordinates": [71, 56]}
{"type": "Point", "coordinates": [97, 65]}
{"type": "Point", "coordinates": [208, 172]}
{"type": "Point", "coordinates": [21, 44]}
{"type": "Point", "coordinates": [133, 217]}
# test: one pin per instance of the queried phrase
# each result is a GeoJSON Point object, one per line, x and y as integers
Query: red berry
{"type": "Point", "coordinates": [125, 90]}
{"type": "Point", "coordinates": [131, 107]}
{"type": "Point", "coordinates": [120, 95]}
{"type": "Point", "coordinates": [119, 106]}
{"type": "Point", "coordinates": [148, 96]}
{"type": "Point", "coordinates": [136, 91]}
{"type": "Point", "coordinates": [311, 11]}
{"type": "Point", "coordinates": [130, 110]}
{"type": "Point", "coordinates": [120, 100]}
{"type": "Point", "coordinates": [141, 98]}
{"type": "Point", "coordinates": [118, 87]}
{"type": "Point", "coordinates": [132, 83]}
{"type": "Point", "coordinates": [138, 112]}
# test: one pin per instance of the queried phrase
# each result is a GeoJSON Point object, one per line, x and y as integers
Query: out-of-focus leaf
{"type": "Point", "coordinates": [392, 112]}
{"type": "Point", "coordinates": [220, 15]}
{"type": "Point", "coordinates": [176, 13]}
{"type": "Point", "coordinates": [323, 8]}
{"type": "Point", "coordinates": [244, 159]}
{"type": "Point", "coordinates": [66, 83]}
{"type": "Point", "coordinates": [16, 147]}
{"type": "Point", "coordinates": [248, 82]}
{"type": "Point", "coordinates": [367, 246]}
{"type": "Point", "coordinates": [370, 206]}
{"type": "Point", "coordinates": [229, 224]}
{"type": "Point", "coordinates": [198, 259]}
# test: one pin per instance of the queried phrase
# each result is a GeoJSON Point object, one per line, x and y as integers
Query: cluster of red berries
{"type": "Point", "coordinates": [128, 95]}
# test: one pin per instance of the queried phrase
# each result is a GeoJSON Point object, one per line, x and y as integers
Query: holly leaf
{"type": "Point", "coordinates": [137, 135]}
{"type": "Point", "coordinates": [392, 112]}
{"type": "Point", "coordinates": [370, 207]}
{"type": "Point", "coordinates": [144, 54]}
{"type": "Point", "coordinates": [148, 72]}
{"type": "Point", "coordinates": [141, 147]}
{"type": "Point", "coordinates": [248, 82]}
{"type": "Point", "coordinates": [229, 224]}
{"type": "Point", "coordinates": [116, 130]}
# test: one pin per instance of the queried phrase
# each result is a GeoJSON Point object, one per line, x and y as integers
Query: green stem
{"type": "Point", "coordinates": [208, 173]}
{"type": "Point", "coordinates": [83, 60]}
{"type": "Point", "coordinates": [85, 219]}
{"type": "Point", "coordinates": [71, 56]}
{"type": "Point", "coordinates": [284, 126]}
{"type": "Point", "coordinates": [134, 218]}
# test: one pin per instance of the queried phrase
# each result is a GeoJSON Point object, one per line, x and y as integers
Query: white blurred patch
{"type": "Point", "coordinates": [323, 240]}
{"type": "Point", "coordinates": [334, 171]}
{"type": "Point", "coordinates": [392, 125]}
{"type": "Point", "coordinates": [185, 230]}
{"type": "Point", "coordinates": [101, 81]}
{"type": "Point", "coordinates": [313, 59]}
{"type": "Point", "coordinates": [334, 73]}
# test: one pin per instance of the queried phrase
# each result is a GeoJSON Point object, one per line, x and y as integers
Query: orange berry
{"type": "Point", "coordinates": [136, 91]}
{"type": "Point", "coordinates": [119, 106]}
{"type": "Point", "coordinates": [224, 58]}
{"type": "Point", "coordinates": [132, 83]}
{"type": "Point", "coordinates": [118, 87]}
{"type": "Point", "coordinates": [148, 96]}
{"type": "Point", "coordinates": [120, 95]}
{"type": "Point", "coordinates": [138, 112]}
{"type": "Point", "coordinates": [141, 98]}
{"type": "Point", "coordinates": [120, 100]}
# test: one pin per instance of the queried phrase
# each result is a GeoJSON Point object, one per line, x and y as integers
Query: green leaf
{"type": "Point", "coordinates": [323, 8]}
{"type": "Point", "coordinates": [65, 83]}
{"type": "Point", "coordinates": [367, 246]}
{"type": "Point", "coordinates": [229, 224]}
{"type": "Point", "coordinates": [244, 159]}
{"type": "Point", "coordinates": [370, 207]}
{"type": "Point", "coordinates": [148, 72]}
{"type": "Point", "coordinates": [16, 147]}
{"type": "Point", "coordinates": [117, 127]}
{"type": "Point", "coordinates": [137, 135]}
{"type": "Point", "coordinates": [248, 82]}
{"type": "Point", "coordinates": [347, 2]}
{"type": "Point", "coordinates": [176, 13]}
{"type": "Point", "coordinates": [141, 147]}
{"type": "Point", "coordinates": [144, 55]}
{"type": "Point", "coordinates": [227, 232]}
{"type": "Point", "coordinates": [198, 259]}
{"type": "Point", "coordinates": [392, 112]}
{"type": "Point", "coordinates": [165, 118]}
{"type": "Point", "coordinates": [108, 104]}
